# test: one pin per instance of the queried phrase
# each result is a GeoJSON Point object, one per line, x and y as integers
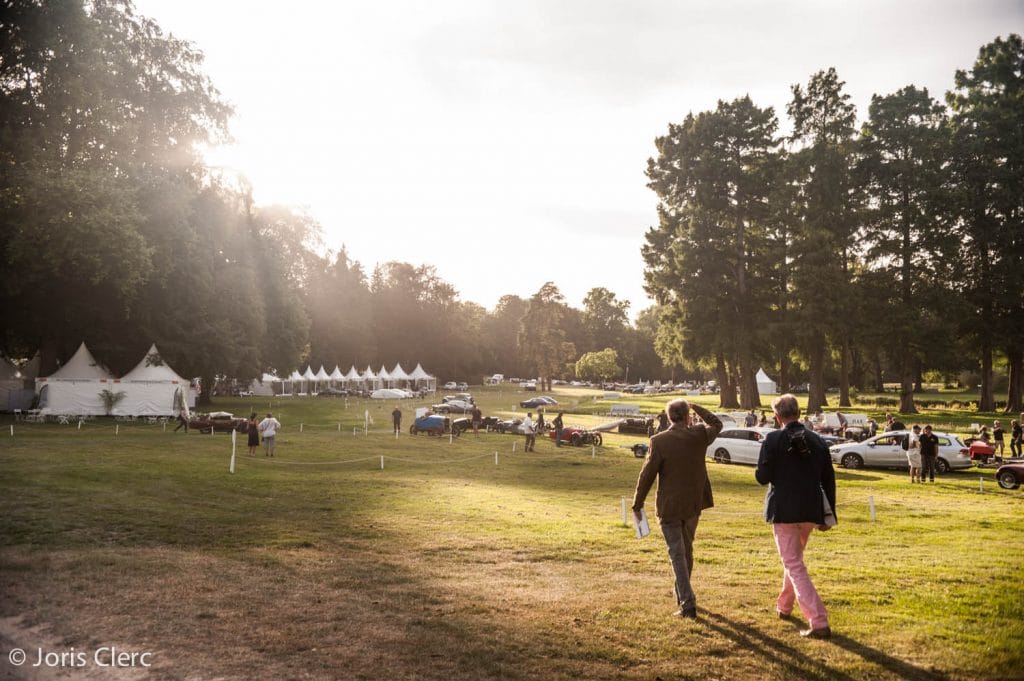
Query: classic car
{"type": "Point", "coordinates": [432, 424]}
{"type": "Point", "coordinates": [578, 437]}
{"type": "Point", "coordinates": [217, 422]}
{"type": "Point", "coordinates": [1010, 474]}
{"type": "Point", "coordinates": [509, 426]}
{"type": "Point", "coordinates": [638, 426]}
{"type": "Point", "coordinates": [539, 401]}
{"type": "Point", "coordinates": [452, 406]}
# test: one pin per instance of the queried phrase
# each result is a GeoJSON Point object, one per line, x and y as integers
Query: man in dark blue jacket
{"type": "Point", "coordinates": [795, 463]}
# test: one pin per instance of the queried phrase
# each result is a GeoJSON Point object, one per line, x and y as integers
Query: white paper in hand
{"type": "Point", "coordinates": [643, 528]}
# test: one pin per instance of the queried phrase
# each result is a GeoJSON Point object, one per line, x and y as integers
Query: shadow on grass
{"type": "Point", "coordinates": [798, 664]}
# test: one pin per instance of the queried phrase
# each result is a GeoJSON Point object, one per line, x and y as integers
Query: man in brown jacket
{"type": "Point", "coordinates": [676, 458]}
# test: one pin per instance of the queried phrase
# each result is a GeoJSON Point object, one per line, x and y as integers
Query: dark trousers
{"type": "Point", "coordinates": [679, 540]}
{"type": "Point", "coordinates": [1015, 446]}
{"type": "Point", "coordinates": [928, 466]}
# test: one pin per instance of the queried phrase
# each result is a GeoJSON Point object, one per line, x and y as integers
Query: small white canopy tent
{"type": "Point", "coordinates": [422, 379]}
{"type": "Point", "coordinates": [384, 378]}
{"type": "Point", "coordinates": [337, 378]}
{"type": "Point", "coordinates": [264, 386]}
{"type": "Point", "coordinates": [765, 385]}
{"type": "Point", "coordinates": [292, 384]}
{"type": "Point", "coordinates": [399, 376]}
{"type": "Point", "coordinates": [352, 377]}
{"type": "Point", "coordinates": [322, 380]}
{"type": "Point", "coordinates": [152, 388]}
{"type": "Point", "coordinates": [308, 381]}
{"type": "Point", "coordinates": [369, 379]}
{"type": "Point", "coordinates": [76, 387]}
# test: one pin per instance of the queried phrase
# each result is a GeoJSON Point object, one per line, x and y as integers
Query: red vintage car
{"type": "Point", "coordinates": [578, 437]}
{"type": "Point", "coordinates": [1010, 475]}
{"type": "Point", "coordinates": [980, 450]}
{"type": "Point", "coordinates": [217, 421]}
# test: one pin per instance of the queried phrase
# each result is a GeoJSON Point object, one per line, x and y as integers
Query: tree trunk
{"type": "Point", "coordinates": [783, 384]}
{"type": "Point", "coordinates": [844, 373]}
{"type": "Point", "coordinates": [1014, 398]}
{"type": "Point", "coordinates": [879, 378]}
{"type": "Point", "coordinates": [816, 398]}
{"type": "Point", "coordinates": [206, 394]}
{"type": "Point", "coordinates": [918, 377]}
{"type": "Point", "coordinates": [907, 384]}
{"type": "Point", "coordinates": [987, 398]}
{"type": "Point", "coordinates": [726, 391]}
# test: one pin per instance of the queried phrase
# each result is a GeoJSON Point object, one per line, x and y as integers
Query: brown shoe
{"type": "Point", "coordinates": [824, 632]}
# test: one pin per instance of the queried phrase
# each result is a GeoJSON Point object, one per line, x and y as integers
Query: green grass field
{"type": "Point", "coordinates": [446, 564]}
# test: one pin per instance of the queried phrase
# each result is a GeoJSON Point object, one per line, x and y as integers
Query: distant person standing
{"type": "Point", "coordinates": [540, 422]}
{"type": "Point", "coordinates": [794, 462]}
{"type": "Point", "coordinates": [477, 417]}
{"type": "Point", "coordinates": [268, 429]}
{"type": "Point", "coordinates": [396, 420]}
{"type": "Point", "coordinates": [914, 454]}
{"type": "Point", "coordinates": [1016, 438]}
{"type": "Point", "coordinates": [929, 453]}
{"type": "Point", "coordinates": [528, 428]}
{"type": "Point", "coordinates": [997, 438]}
{"type": "Point", "coordinates": [749, 421]}
{"type": "Point", "coordinates": [252, 430]}
{"type": "Point", "coordinates": [559, 426]}
{"type": "Point", "coordinates": [662, 422]}
{"type": "Point", "coordinates": [677, 459]}
{"type": "Point", "coordinates": [872, 427]}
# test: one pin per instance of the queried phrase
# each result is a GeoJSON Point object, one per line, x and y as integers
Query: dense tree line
{"type": "Point", "coordinates": [113, 231]}
{"type": "Point", "coordinates": [845, 255]}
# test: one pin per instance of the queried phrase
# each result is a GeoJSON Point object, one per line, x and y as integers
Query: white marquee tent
{"type": "Point", "coordinates": [765, 385]}
{"type": "Point", "coordinates": [152, 388]}
{"type": "Point", "coordinates": [76, 387]}
{"type": "Point", "coordinates": [423, 379]}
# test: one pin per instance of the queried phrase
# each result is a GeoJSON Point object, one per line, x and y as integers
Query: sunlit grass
{"type": "Point", "coordinates": [447, 565]}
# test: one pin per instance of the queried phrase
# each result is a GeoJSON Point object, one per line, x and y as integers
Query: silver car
{"type": "Point", "coordinates": [886, 451]}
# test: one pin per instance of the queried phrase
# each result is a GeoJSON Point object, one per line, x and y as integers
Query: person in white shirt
{"type": "Point", "coordinates": [914, 453]}
{"type": "Point", "coordinates": [268, 428]}
{"type": "Point", "coordinates": [530, 430]}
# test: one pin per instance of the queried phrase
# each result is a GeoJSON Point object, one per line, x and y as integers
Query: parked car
{"type": "Point", "coordinates": [737, 445]}
{"type": "Point", "coordinates": [452, 407]}
{"type": "Point", "coordinates": [980, 450]}
{"type": "Point", "coordinates": [451, 385]}
{"type": "Point", "coordinates": [333, 392]}
{"type": "Point", "coordinates": [578, 437]}
{"type": "Point", "coordinates": [462, 386]}
{"type": "Point", "coordinates": [638, 426]}
{"type": "Point", "coordinates": [886, 451]}
{"type": "Point", "coordinates": [1010, 475]}
{"type": "Point", "coordinates": [432, 424]}
{"type": "Point", "coordinates": [217, 422]}
{"type": "Point", "coordinates": [528, 385]}
{"type": "Point", "coordinates": [508, 426]}
{"type": "Point", "coordinates": [539, 401]}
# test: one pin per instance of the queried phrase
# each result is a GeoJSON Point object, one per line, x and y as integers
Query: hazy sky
{"type": "Point", "coordinates": [505, 142]}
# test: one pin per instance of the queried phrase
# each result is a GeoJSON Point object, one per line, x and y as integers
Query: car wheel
{"type": "Point", "coordinates": [1008, 480]}
{"type": "Point", "coordinates": [576, 440]}
{"type": "Point", "coordinates": [852, 460]}
{"type": "Point", "coordinates": [942, 466]}
{"type": "Point", "coordinates": [412, 430]}
{"type": "Point", "coordinates": [721, 455]}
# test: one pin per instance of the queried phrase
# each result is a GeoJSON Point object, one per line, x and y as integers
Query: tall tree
{"type": "Point", "coordinates": [904, 148]}
{"type": "Point", "coordinates": [542, 344]}
{"type": "Point", "coordinates": [707, 257]}
{"type": "Point", "coordinates": [605, 317]}
{"type": "Point", "coordinates": [988, 183]}
{"type": "Point", "coordinates": [823, 128]}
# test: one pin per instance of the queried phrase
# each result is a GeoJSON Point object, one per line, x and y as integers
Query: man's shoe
{"type": "Point", "coordinates": [688, 613]}
{"type": "Point", "coordinates": [824, 632]}
{"type": "Point", "coordinates": [784, 615]}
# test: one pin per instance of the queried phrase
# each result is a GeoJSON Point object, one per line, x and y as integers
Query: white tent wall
{"type": "Point", "coordinates": [78, 398]}
{"type": "Point", "coordinates": [148, 398]}
{"type": "Point", "coordinates": [765, 385]}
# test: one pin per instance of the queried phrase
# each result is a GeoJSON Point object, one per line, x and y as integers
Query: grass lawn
{"type": "Point", "coordinates": [446, 565]}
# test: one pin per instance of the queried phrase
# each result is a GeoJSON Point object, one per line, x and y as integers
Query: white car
{"type": "Point", "coordinates": [737, 445]}
{"type": "Point", "coordinates": [886, 451]}
{"type": "Point", "coordinates": [451, 385]}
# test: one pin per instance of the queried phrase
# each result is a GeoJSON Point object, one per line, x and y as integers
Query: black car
{"type": "Point", "coordinates": [638, 426]}
{"type": "Point", "coordinates": [509, 426]}
{"type": "Point", "coordinates": [333, 392]}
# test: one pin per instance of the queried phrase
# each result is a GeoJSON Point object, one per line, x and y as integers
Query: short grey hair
{"type": "Point", "coordinates": [677, 410]}
{"type": "Point", "coordinates": [786, 407]}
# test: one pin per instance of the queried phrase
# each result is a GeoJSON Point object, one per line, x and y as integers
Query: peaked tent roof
{"type": "Point", "coordinates": [308, 374]}
{"type": "Point", "coordinates": [294, 376]}
{"type": "Point", "coordinates": [352, 374]}
{"type": "Point", "coordinates": [368, 373]}
{"type": "Point", "coordinates": [398, 373]}
{"type": "Point", "coordinates": [419, 373]}
{"type": "Point", "coordinates": [153, 368]}
{"type": "Point", "coordinates": [322, 375]}
{"type": "Point", "coordinates": [383, 373]}
{"type": "Point", "coordinates": [336, 375]}
{"type": "Point", "coordinates": [81, 367]}
{"type": "Point", "coordinates": [762, 377]}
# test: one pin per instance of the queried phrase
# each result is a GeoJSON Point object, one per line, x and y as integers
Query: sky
{"type": "Point", "coordinates": [505, 142]}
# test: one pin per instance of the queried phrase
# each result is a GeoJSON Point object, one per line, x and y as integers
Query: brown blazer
{"type": "Point", "coordinates": [676, 458]}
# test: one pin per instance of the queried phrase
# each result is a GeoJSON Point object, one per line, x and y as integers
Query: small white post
{"type": "Point", "coordinates": [593, 451]}
{"type": "Point", "coordinates": [451, 436]}
{"type": "Point", "coordinates": [981, 485]}
{"type": "Point", "coordinates": [382, 462]}
{"type": "Point", "coordinates": [495, 458]}
{"type": "Point", "coordinates": [12, 430]}
{"type": "Point", "coordinates": [396, 433]}
{"type": "Point", "coordinates": [514, 446]}
{"type": "Point", "coordinates": [366, 421]}
{"type": "Point", "coordinates": [117, 429]}
{"type": "Point", "coordinates": [625, 520]}
{"type": "Point", "coordinates": [80, 425]}
{"type": "Point", "coordinates": [300, 426]}
{"type": "Point", "coordinates": [354, 431]}
{"type": "Point", "coordinates": [339, 427]}
{"type": "Point", "coordinates": [871, 507]}
{"type": "Point", "coordinates": [234, 439]}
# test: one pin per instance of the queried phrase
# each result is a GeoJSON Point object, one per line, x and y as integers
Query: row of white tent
{"type": "Point", "coordinates": [310, 383]}
{"type": "Point", "coordinates": [85, 387]}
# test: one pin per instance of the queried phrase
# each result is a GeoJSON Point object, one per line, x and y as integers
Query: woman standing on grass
{"type": "Point", "coordinates": [253, 430]}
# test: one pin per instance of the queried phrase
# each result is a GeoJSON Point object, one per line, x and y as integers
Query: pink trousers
{"type": "Point", "coordinates": [791, 538]}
